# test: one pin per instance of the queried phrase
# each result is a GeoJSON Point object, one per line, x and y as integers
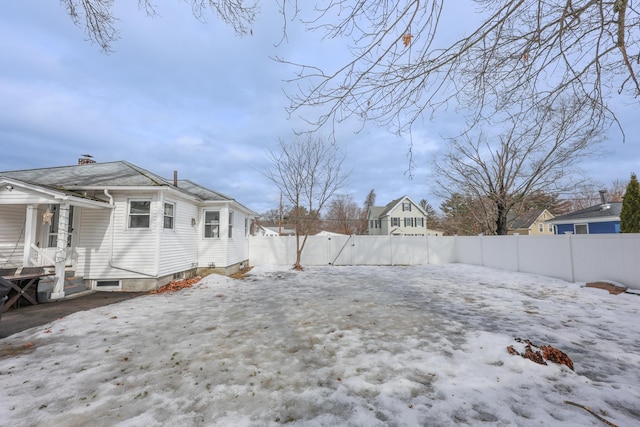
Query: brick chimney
{"type": "Point", "coordinates": [86, 159]}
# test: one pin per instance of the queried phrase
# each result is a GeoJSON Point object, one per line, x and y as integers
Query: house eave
{"type": "Point", "coordinates": [584, 220]}
{"type": "Point", "coordinates": [53, 195]}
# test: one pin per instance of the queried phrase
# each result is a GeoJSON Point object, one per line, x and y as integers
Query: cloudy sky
{"type": "Point", "coordinates": [178, 94]}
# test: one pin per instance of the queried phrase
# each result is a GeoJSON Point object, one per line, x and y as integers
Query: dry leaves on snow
{"type": "Point", "coordinates": [541, 354]}
{"type": "Point", "coordinates": [177, 285]}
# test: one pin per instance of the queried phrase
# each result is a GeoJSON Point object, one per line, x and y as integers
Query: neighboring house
{"type": "Point", "coordinates": [598, 219]}
{"type": "Point", "coordinates": [118, 226]}
{"type": "Point", "coordinates": [400, 217]}
{"type": "Point", "coordinates": [274, 231]}
{"type": "Point", "coordinates": [266, 231]}
{"type": "Point", "coordinates": [531, 222]}
{"type": "Point", "coordinates": [329, 233]}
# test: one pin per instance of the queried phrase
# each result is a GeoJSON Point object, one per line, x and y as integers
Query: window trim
{"type": "Point", "coordinates": [131, 215]}
{"type": "Point", "coordinates": [165, 216]}
{"type": "Point", "coordinates": [205, 224]}
{"type": "Point", "coordinates": [408, 206]}
{"type": "Point", "coordinates": [584, 224]}
{"type": "Point", "coordinates": [230, 225]}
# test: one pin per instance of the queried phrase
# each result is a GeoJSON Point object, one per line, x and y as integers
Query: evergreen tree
{"type": "Point", "coordinates": [630, 214]}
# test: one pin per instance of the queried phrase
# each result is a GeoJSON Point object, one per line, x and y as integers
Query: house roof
{"type": "Point", "coordinates": [73, 178]}
{"type": "Point", "coordinates": [594, 213]}
{"type": "Point", "coordinates": [380, 211]}
{"type": "Point", "coordinates": [110, 174]}
{"type": "Point", "coordinates": [523, 220]}
{"type": "Point", "coordinates": [201, 192]}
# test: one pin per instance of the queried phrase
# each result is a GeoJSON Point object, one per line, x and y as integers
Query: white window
{"type": "Point", "coordinates": [230, 224]}
{"type": "Point", "coordinates": [211, 223]}
{"type": "Point", "coordinates": [139, 213]}
{"type": "Point", "coordinates": [550, 228]}
{"type": "Point", "coordinates": [169, 215]}
{"type": "Point", "coordinates": [408, 222]}
{"type": "Point", "coordinates": [420, 222]}
{"type": "Point", "coordinates": [541, 228]}
{"type": "Point", "coordinates": [246, 227]}
{"type": "Point", "coordinates": [581, 229]}
{"type": "Point", "coordinates": [376, 223]}
{"type": "Point", "coordinates": [406, 206]}
{"type": "Point", "coordinates": [395, 222]}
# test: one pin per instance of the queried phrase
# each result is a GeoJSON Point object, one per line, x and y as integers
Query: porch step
{"type": "Point", "coordinates": [72, 285]}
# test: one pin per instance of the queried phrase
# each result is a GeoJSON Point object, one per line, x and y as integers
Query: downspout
{"type": "Point", "coordinates": [113, 226]}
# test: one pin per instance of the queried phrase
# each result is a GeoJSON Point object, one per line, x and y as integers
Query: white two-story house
{"type": "Point", "coordinates": [400, 217]}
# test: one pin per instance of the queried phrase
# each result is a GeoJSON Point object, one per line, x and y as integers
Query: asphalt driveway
{"type": "Point", "coordinates": [19, 319]}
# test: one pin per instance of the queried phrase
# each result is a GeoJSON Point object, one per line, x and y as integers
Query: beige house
{"type": "Point", "coordinates": [400, 217]}
{"type": "Point", "coordinates": [531, 222]}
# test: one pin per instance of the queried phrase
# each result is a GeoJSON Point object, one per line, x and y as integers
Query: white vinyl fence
{"type": "Point", "coordinates": [575, 258]}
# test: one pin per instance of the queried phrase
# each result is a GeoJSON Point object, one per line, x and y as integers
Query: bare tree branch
{"type": "Point", "coordinates": [537, 151]}
{"type": "Point", "coordinates": [98, 19]}
{"type": "Point", "coordinates": [521, 50]}
{"type": "Point", "coordinates": [308, 172]}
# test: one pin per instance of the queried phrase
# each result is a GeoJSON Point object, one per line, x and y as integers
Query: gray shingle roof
{"type": "Point", "coordinates": [523, 220]}
{"type": "Point", "coordinates": [73, 179]}
{"type": "Point", "coordinates": [200, 191]}
{"type": "Point", "coordinates": [592, 212]}
{"type": "Point", "coordinates": [110, 174]}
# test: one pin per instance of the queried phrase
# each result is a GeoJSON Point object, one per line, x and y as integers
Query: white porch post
{"type": "Point", "coordinates": [30, 227]}
{"type": "Point", "coordinates": [61, 251]}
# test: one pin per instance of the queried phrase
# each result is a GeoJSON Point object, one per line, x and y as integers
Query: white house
{"type": "Point", "coordinates": [400, 217]}
{"type": "Point", "coordinates": [118, 226]}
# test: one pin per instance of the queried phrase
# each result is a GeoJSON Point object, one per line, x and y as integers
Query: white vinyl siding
{"type": "Point", "coordinates": [179, 249]}
{"type": "Point", "coordinates": [93, 243]}
{"type": "Point", "coordinates": [134, 249]}
{"type": "Point", "coordinates": [12, 220]}
{"type": "Point", "coordinates": [238, 247]}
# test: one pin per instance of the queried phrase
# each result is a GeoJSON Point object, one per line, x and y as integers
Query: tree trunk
{"type": "Point", "coordinates": [501, 220]}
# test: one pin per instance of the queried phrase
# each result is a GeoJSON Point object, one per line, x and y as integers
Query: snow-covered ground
{"type": "Point", "coordinates": [333, 346]}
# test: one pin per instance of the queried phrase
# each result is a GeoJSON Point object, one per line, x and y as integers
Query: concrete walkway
{"type": "Point", "coordinates": [19, 319]}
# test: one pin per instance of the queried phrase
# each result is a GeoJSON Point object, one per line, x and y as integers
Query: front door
{"type": "Point", "coordinates": [51, 234]}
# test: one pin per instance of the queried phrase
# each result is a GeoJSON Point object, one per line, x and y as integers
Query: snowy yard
{"type": "Point", "coordinates": [333, 346]}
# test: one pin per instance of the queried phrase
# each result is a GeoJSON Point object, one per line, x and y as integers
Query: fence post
{"type": "Point", "coordinates": [573, 275]}
{"type": "Point", "coordinates": [517, 251]}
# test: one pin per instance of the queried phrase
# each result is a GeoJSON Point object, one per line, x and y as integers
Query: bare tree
{"type": "Point", "coordinates": [98, 19]}
{"type": "Point", "coordinates": [537, 150]}
{"type": "Point", "coordinates": [459, 216]}
{"type": "Point", "coordinates": [369, 202]}
{"type": "Point", "coordinates": [433, 219]}
{"type": "Point", "coordinates": [343, 215]}
{"type": "Point", "coordinates": [308, 171]}
{"type": "Point", "coordinates": [531, 52]}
